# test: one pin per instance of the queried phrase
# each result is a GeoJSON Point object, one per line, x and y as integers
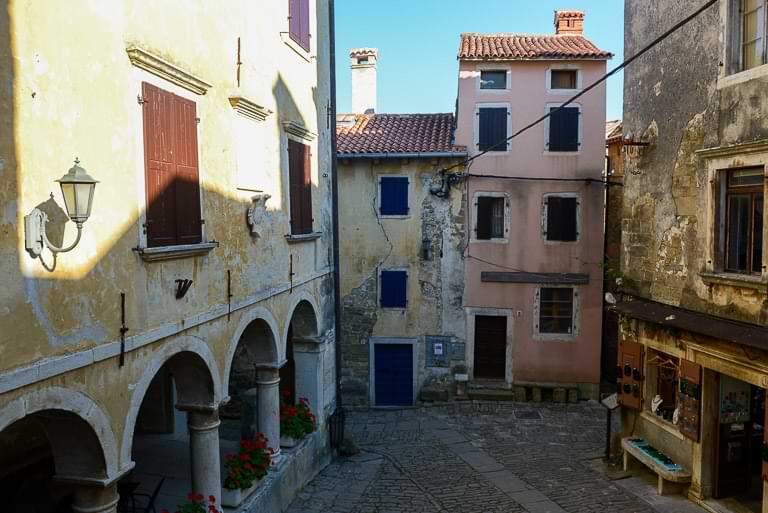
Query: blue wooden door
{"type": "Point", "coordinates": [393, 374]}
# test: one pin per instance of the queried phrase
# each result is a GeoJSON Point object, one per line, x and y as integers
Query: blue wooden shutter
{"type": "Point", "coordinates": [564, 129]}
{"type": "Point", "coordinates": [394, 289]}
{"type": "Point", "coordinates": [492, 129]}
{"type": "Point", "coordinates": [394, 196]}
{"type": "Point", "coordinates": [561, 218]}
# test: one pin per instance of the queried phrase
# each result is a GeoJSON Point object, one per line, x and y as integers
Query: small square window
{"type": "Point", "coordinates": [743, 220]}
{"type": "Point", "coordinates": [394, 289]}
{"type": "Point", "coordinates": [564, 79]}
{"type": "Point", "coordinates": [493, 80]}
{"type": "Point", "coordinates": [393, 195]}
{"type": "Point", "coordinates": [490, 218]}
{"type": "Point", "coordinates": [556, 310]}
{"type": "Point", "coordinates": [561, 218]}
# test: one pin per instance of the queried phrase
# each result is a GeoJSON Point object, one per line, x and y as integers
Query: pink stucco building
{"type": "Point", "coordinates": [533, 295]}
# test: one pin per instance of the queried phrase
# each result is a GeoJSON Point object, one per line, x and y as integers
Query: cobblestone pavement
{"type": "Point", "coordinates": [480, 457]}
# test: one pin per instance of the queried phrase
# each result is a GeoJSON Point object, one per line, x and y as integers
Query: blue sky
{"type": "Point", "coordinates": [418, 41]}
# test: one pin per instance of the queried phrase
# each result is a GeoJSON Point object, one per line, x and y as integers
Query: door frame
{"type": "Point", "coordinates": [372, 342]}
{"type": "Point", "coordinates": [470, 341]}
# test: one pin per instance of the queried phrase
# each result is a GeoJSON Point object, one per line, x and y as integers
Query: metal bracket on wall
{"type": "Point", "coordinates": [123, 329]}
{"type": "Point", "coordinates": [182, 286]}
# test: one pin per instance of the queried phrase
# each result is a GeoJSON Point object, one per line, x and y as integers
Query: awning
{"type": "Point", "coordinates": [752, 335]}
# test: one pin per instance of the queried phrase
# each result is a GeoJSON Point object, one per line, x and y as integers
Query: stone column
{"type": "Point", "coordinates": [205, 459]}
{"type": "Point", "coordinates": [268, 411]}
{"type": "Point", "coordinates": [95, 499]}
{"type": "Point", "coordinates": [308, 355]}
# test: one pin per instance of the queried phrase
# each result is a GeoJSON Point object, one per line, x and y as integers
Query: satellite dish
{"type": "Point", "coordinates": [610, 298]}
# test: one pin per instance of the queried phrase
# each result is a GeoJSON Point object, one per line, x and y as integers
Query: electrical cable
{"type": "Point", "coordinates": [592, 86]}
{"type": "Point", "coordinates": [545, 179]}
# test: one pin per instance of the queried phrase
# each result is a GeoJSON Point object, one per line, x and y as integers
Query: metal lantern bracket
{"type": "Point", "coordinates": [77, 201]}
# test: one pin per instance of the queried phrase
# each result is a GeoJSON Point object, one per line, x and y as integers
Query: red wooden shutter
{"type": "Point", "coordinates": [690, 400]}
{"type": "Point", "coordinates": [630, 374]}
{"type": "Point", "coordinates": [294, 19]}
{"type": "Point", "coordinates": [295, 179]}
{"type": "Point", "coordinates": [188, 225]}
{"type": "Point", "coordinates": [306, 191]}
{"type": "Point", "coordinates": [171, 168]}
{"type": "Point", "coordinates": [304, 28]}
{"type": "Point", "coordinates": [159, 166]}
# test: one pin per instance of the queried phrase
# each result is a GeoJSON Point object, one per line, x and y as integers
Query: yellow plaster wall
{"type": "Point", "coordinates": [69, 90]}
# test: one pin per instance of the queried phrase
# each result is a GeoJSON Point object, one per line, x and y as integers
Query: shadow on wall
{"type": "Point", "coordinates": [95, 273]}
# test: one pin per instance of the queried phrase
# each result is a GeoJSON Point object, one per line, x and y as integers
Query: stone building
{"type": "Point", "coordinates": [201, 274]}
{"type": "Point", "coordinates": [693, 364]}
{"type": "Point", "coordinates": [533, 298]}
{"type": "Point", "coordinates": [401, 242]}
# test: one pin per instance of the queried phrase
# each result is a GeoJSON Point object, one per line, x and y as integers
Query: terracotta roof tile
{"type": "Point", "coordinates": [395, 133]}
{"type": "Point", "coordinates": [525, 47]}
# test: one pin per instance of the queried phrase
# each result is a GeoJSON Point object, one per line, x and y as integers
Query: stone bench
{"type": "Point", "coordinates": [670, 480]}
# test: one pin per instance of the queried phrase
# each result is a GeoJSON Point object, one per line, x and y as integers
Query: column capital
{"type": "Point", "coordinates": [200, 408]}
{"type": "Point", "coordinates": [308, 344]}
{"type": "Point", "coordinates": [202, 420]}
{"type": "Point", "coordinates": [95, 499]}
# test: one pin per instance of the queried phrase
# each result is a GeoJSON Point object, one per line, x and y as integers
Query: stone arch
{"type": "Point", "coordinates": [79, 432]}
{"type": "Point", "coordinates": [261, 333]}
{"type": "Point", "coordinates": [196, 375]}
{"type": "Point", "coordinates": [306, 308]}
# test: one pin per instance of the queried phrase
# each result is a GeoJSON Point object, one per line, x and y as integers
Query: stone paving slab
{"type": "Point", "coordinates": [480, 457]}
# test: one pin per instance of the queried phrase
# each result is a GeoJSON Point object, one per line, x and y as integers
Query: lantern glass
{"type": "Point", "coordinates": [77, 187]}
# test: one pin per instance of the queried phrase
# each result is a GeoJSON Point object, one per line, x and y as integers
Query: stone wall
{"type": "Point", "coordinates": [676, 100]}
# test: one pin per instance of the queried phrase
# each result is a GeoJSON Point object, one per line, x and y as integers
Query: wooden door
{"type": "Point", "coordinates": [490, 347]}
{"type": "Point", "coordinates": [393, 374]}
{"type": "Point", "coordinates": [733, 443]}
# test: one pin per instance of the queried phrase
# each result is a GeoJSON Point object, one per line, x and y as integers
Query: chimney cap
{"type": "Point", "coordinates": [362, 52]}
{"type": "Point", "coordinates": [569, 22]}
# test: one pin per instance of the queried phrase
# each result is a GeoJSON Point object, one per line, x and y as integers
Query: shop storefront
{"type": "Point", "coordinates": [693, 394]}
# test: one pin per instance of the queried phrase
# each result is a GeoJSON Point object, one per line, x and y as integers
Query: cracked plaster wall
{"type": "Point", "coordinates": [672, 100]}
{"type": "Point", "coordinates": [369, 243]}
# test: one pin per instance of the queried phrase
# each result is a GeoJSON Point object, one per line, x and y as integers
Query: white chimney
{"type": "Point", "coordinates": [364, 62]}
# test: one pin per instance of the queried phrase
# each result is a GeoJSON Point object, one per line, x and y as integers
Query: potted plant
{"type": "Point", "coordinates": [196, 503]}
{"type": "Point", "coordinates": [245, 470]}
{"type": "Point", "coordinates": [296, 421]}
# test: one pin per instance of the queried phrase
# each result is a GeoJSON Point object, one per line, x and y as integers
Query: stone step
{"type": "Point", "coordinates": [486, 394]}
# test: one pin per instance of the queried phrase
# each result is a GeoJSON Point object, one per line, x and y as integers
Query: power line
{"type": "Point", "coordinates": [615, 70]}
{"type": "Point", "coordinates": [546, 179]}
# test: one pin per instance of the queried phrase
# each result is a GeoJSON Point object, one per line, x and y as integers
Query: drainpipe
{"type": "Point", "coordinates": [335, 206]}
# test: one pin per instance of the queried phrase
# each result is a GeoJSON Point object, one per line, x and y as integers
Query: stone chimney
{"type": "Point", "coordinates": [364, 62]}
{"type": "Point", "coordinates": [569, 23]}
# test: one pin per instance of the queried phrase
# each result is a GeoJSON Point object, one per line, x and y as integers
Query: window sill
{"type": "Point", "coordinates": [555, 337]}
{"type": "Point", "coordinates": [293, 45]}
{"type": "Point", "coordinates": [735, 280]}
{"type": "Point", "coordinates": [292, 239]}
{"type": "Point", "coordinates": [742, 76]}
{"type": "Point", "coordinates": [662, 424]}
{"type": "Point", "coordinates": [548, 153]}
{"type": "Point", "coordinates": [394, 216]}
{"type": "Point", "coordinates": [173, 252]}
{"type": "Point", "coordinates": [489, 241]}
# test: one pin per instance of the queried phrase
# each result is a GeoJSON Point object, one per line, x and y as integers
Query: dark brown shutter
{"type": "Point", "coordinates": [295, 180]}
{"type": "Point", "coordinates": [561, 218]}
{"type": "Point", "coordinates": [690, 399]}
{"type": "Point", "coordinates": [630, 374]}
{"type": "Point", "coordinates": [764, 448]}
{"type": "Point", "coordinates": [188, 225]}
{"type": "Point", "coordinates": [159, 166]}
{"type": "Point", "coordinates": [306, 191]}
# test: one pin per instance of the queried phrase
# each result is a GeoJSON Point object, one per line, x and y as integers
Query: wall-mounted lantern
{"type": "Point", "coordinates": [77, 187]}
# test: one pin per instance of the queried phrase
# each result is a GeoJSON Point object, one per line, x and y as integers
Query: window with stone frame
{"type": "Point", "coordinates": [556, 307]}
{"type": "Point", "coordinates": [662, 382]}
{"type": "Point", "coordinates": [490, 218]}
{"type": "Point", "coordinates": [747, 41]}
{"type": "Point", "coordinates": [741, 220]}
